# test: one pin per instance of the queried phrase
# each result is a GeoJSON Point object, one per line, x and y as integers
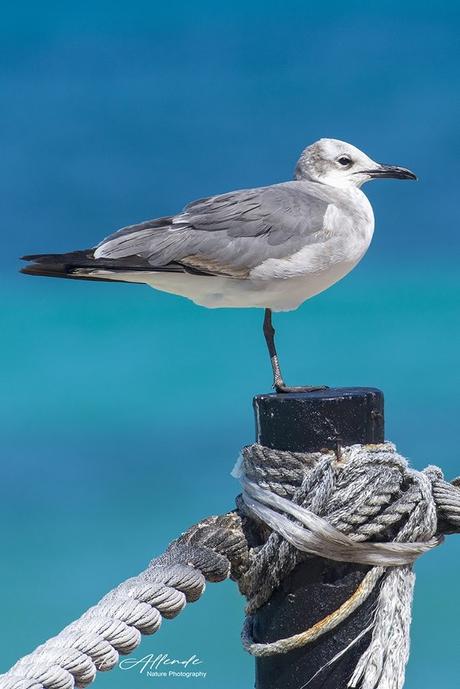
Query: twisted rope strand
{"type": "Point", "coordinates": [321, 627]}
{"type": "Point", "coordinates": [210, 551]}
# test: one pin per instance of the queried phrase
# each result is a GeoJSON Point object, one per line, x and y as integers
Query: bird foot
{"type": "Point", "coordinates": [282, 388]}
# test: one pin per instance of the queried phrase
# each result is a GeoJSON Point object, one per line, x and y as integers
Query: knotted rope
{"type": "Point", "coordinates": [366, 506]}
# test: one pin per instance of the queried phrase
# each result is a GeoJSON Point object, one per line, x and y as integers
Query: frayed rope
{"type": "Point", "coordinates": [335, 507]}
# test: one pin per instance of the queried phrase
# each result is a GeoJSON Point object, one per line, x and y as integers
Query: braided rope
{"type": "Point", "coordinates": [211, 551]}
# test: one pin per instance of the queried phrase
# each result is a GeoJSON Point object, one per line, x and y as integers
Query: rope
{"type": "Point", "coordinates": [211, 551]}
{"type": "Point", "coordinates": [366, 506]}
{"type": "Point", "coordinates": [337, 507]}
{"type": "Point", "coordinates": [321, 627]}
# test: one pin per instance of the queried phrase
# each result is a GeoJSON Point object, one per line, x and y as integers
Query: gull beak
{"type": "Point", "coordinates": [390, 171]}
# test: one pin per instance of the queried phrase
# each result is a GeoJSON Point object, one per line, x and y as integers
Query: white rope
{"type": "Point", "coordinates": [335, 504]}
{"type": "Point", "coordinates": [114, 626]}
{"type": "Point", "coordinates": [315, 503]}
{"type": "Point", "coordinates": [316, 536]}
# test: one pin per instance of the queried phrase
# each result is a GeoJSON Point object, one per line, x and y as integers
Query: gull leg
{"type": "Point", "coordinates": [278, 381]}
{"type": "Point", "coordinates": [269, 333]}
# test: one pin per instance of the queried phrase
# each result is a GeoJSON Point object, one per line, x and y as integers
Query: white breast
{"type": "Point", "coordinates": [345, 238]}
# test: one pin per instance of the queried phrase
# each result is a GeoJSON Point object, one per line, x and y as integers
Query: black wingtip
{"type": "Point", "coordinates": [64, 271]}
{"type": "Point", "coordinates": [26, 270]}
{"type": "Point", "coordinates": [45, 270]}
{"type": "Point", "coordinates": [71, 256]}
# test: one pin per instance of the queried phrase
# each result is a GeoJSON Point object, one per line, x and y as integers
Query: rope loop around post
{"type": "Point", "coordinates": [361, 504]}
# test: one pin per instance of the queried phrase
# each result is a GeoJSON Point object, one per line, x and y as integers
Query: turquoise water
{"type": "Point", "coordinates": [123, 409]}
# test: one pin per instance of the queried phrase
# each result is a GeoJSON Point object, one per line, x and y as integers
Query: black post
{"type": "Point", "coordinates": [308, 422]}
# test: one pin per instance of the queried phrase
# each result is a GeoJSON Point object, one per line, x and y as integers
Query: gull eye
{"type": "Point", "coordinates": [345, 161]}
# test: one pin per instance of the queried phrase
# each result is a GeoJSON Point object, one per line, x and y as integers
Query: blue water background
{"type": "Point", "coordinates": [122, 409]}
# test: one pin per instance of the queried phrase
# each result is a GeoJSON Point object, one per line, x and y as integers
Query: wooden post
{"type": "Point", "coordinates": [309, 422]}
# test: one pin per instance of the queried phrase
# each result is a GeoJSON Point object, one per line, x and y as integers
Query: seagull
{"type": "Point", "coordinates": [270, 247]}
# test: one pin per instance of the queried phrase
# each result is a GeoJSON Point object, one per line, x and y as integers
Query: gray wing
{"type": "Point", "coordinates": [227, 234]}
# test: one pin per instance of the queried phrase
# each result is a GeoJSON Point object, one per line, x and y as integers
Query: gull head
{"type": "Point", "coordinates": [338, 164]}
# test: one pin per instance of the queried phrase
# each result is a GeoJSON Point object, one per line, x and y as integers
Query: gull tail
{"type": "Point", "coordinates": [82, 265]}
{"type": "Point", "coordinates": [76, 265]}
